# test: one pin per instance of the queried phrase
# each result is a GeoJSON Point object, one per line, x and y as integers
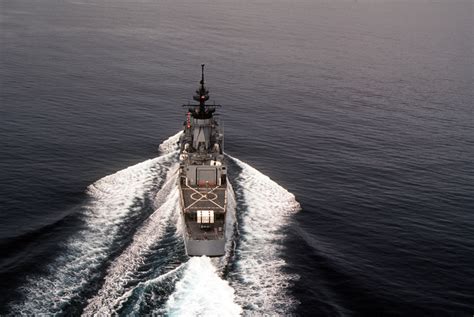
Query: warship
{"type": "Point", "coordinates": [202, 178]}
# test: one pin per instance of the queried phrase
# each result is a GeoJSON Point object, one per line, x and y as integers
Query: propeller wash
{"type": "Point", "coordinates": [131, 254]}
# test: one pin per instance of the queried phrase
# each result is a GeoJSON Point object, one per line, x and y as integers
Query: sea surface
{"type": "Point", "coordinates": [349, 139]}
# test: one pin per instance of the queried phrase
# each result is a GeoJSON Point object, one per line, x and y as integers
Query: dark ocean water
{"type": "Point", "coordinates": [360, 109]}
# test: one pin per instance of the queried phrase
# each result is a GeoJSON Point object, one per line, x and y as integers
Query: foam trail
{"type": "Point", "coordinates": [170, 145]}
{"type": "Point", "coordinates": [113, 200]}
{"type": "Point", "coordinates": [156, 289]}
{"type": "Point", "coordinates": [257, 283]}
{"type": "Point", "coordinates": [201, 292]}
{"type": "Point", "coordinates": [116, 293]}
{"type": "Point", "coordinates": [120, 273]}
{"type": "Point", "coordinates": [258, 276]}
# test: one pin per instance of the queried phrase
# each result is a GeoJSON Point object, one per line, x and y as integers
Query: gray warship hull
{"type": "Point", "coordinates": [203, 179]}
{"type": "Point", "coordinates": [209, 248]}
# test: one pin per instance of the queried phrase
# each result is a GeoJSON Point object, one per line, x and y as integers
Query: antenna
{"type": "Point", "coordinates": [202, 74]}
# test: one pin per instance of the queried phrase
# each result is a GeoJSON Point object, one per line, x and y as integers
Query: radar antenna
{"type": "Point", "coordinates": [202, 95]}
{"type": "Point", "coordinates": [202, 75]}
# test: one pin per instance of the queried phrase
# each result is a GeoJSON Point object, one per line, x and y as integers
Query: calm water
{"type": "Point", "coordinates": [360, 109]}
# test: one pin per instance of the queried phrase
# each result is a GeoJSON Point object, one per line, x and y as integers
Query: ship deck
{"type": "Point", "coordinates": [196, 198]}
{"type": "Point", "coordinates": [199, 198]}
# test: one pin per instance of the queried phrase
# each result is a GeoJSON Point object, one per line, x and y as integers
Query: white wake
{"type": "Point", "coordinates": [119, 274]}
{"type": "Point", "coordinates": [113, 200]}
{"type": "Point", "coordinates": [117, 291]}
{"type": "Point", "coordinates": [256, 281]}
{"type": "Point", "coordinates": [201, 292]}
{"type": "Point", "coordinates": [259, 280]}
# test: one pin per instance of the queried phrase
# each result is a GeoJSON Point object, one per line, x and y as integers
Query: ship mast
{"type": "Point", "coordinates": [202, 94]}
{"type": "Point", "coordinates": [202, 111]}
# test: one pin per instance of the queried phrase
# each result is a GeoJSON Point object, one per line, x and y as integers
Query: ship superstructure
{"type": "Point", "coordinates": [203, 178]}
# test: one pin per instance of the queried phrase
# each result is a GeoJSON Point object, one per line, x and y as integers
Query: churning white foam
{"type": "Point", "coordinates": [119, 274]}
{"type": "Point", "coordinates": [201, 292]}
{"type": "Point", "coordinates": [258, 278]}
{"type": "Point", "coordinates": [113, 199]}
{"type": "Point", "coordinates": [256, 285]}
{"type": "Point", "coordinates": [170, 145]}
{"type": "Point", "coordinates": [117, 289]}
